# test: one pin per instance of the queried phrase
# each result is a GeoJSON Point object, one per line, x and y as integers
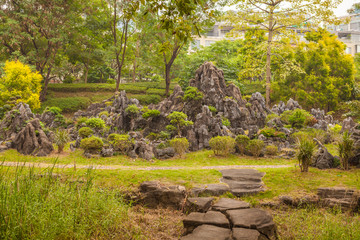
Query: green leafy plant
{"type": "Point", "coordinates": [132, 109]}
{"type": "Point", "coordinates": [271, 150]}
{"type": "Point", "coordinates": [255, 147]}
{"type": "Point", "coordinates": [345, 149]}
{"type": "Point", "coordinates": [122, 143]}
{"type": "Point", "coordinates": [212, 109]}
{"type": "Point", "coordinates": [54, 110]}
{"type": "Point", "coordinates": [180, 145]}
{"type": "Point", "coordinates": [95, 123]}
{"type": "Point", "coordinates": [151, 114]}
{"type": "Point", "coordinates": [61, 137]}
{"type": "Point", "coordinates": [80, 121]}
{"type": "Point", "coordinates": [222, 145]}
{"type": "Point", "coordinates": [92, 144]}
{"type": "Point", "coordinates": [305, 153]}
{"type": "Point", "coordinates": [192, 93]}
{"type": "Point", "coordinates": [242, 142]}
{"type": "Point", "coordinates": [271, 117]}
{"type": "Point", "coordinates": [178, 121]}
{"type": "Point", "coordinates": [225, 122]}
{"type": "Point", "coordinates": [298, 118]}
{"type": "Point", "coordinates": [271, 132]}
{"type": "Point", "coordinates": [85, 132]}
{"type": "Point", "coordinates": [104, 113]}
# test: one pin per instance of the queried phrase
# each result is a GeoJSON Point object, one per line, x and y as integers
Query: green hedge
{"type": "Point", "coordinates": [70, 104]}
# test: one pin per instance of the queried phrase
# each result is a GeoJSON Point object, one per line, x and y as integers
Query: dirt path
{"type": "Point", "coordinates": [119, 167]}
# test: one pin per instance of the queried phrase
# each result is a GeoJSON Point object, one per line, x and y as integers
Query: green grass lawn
{"type": "Point", "coordinates": [193, 159]}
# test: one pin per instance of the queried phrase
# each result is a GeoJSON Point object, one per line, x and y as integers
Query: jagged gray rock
{"type": "Point", "coordinates": [323, 159]}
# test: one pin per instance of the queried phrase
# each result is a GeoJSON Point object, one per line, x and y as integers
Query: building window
{"type": "Point", "coordinates": [195, 44]}
{"type": "Point", "coordinates": [348, 50]}
{"type": "Point", "coordinates": [208, 42]}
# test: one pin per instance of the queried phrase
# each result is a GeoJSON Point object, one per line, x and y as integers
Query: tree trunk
{"type": "Point", "coordinates": [46, 82]}
{"type": "Point", "coordinates": [86, 73]}
{"type": "Point", "coordinates": [268, 62]}
{"type": "Point", "coordinates": [134, 71]}
{"type": "Point", "coordinates": [167, 79]}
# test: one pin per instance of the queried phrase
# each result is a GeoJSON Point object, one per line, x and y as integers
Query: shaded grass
{"type": "Point", "coordinates": [192, 159]}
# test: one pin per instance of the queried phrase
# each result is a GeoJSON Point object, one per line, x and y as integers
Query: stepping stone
{"type": "Point", "coordinates": [244, 175]}
{"type": "Point", "coordinates": [198, 204]}
{"type": "Point", "coordinates": [253, 218]}
{"type": "Point", "coordinates": [211, 190]}
{"type": "Point", "coordinates": [209, 232]}
{"type": "Point", "coordinates": [225, 204]}
{"type": "Point", "coordinates": [196, 219]}
{"type": "Point", "coordinates": [243, 182]}
{"type": "Point", "coordinates": [247, 234]}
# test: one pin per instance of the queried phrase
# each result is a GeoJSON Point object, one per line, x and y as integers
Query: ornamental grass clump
{"type": "Point", "coordinates": [61, 137]}
{"type": "Point", "coordinates": [345, 149]}
{"type": "Point", "coordinates": [222, 145]}
{"type": "Point", "coordinates": [305, 153]}
{"type": "Point", "coordinates": [180, 145]}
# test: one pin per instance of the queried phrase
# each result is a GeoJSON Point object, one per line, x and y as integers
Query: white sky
{"type": "Point", "coordinates": [345, 5]}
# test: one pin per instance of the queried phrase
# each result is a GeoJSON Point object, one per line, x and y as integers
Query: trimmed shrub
{"type": "Point", "coordinates": [54, 110]}
{"type": "Point", "coordinates": [104, 113]}
{"type": "Point", "coordinates": [96, 123]}
{"type": "Point", "coordinates": [271, 150]}
{"type": "Point", "coordinates": [80, 121]}
{"type": "Point", "coordinates": [297, 118]}
{"type": "Point", "coordinates": [151, 114]}
{"type": "Point", "coordinates": [85, 132]}
{"type": "Point", "coordinates": [180, 145]}
{"type": "Point", "coordinates": [178, 121]}
{"type": "Point", "coordinates": [132, 109]}
{"type": "Point", "coordinates": [222, 145]}
{"type": "Point", "coordinates": [92, 144]}
{"type": "Point", "coordinates": [122, 143]}
{"type": "Point", "coordinates": [255, 147]}
{"type": "Point", "coordinates": [305, 153]}
{"type": "Point", "coordinates": [242, 142]}
{"type": "Point", "coordinates": [271, 132]}
{"type": "Point", "coordinates": [345, 149]}
{"type": "Point", "coordinates": [192, 93]}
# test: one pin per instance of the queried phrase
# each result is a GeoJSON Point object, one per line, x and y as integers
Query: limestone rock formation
{"type": "Point", "coordinates": [323, 159]}
{"type": "Point", "coordinates": [32, 140]}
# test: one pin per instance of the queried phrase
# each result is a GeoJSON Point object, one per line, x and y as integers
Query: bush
{"type": "Point", "coordinates": [255, 147]}
{"type": "Point", "coordinates": [4, 109]}
{"type": "Point", "coordinates": [151, 114]}
{"type": "Point", "coordinates": [60, 119]}
{"type": "Point", "coordinates": [85, 132]}
{"type": "Point", "coordinates": [334, 132]}
{"type": "Point", "coordinates": [80, 121]}
{"type": "Point", "coordinates": [132, 109]}
{"type": "Point", "coordinates": [104, 113]}
{"type": "Point", "coordinates": [180, 145]}
{"type": "Point", "coordinates": [271, 150]}
{"type": "Point", "coordinates": [225, 122]}
{"type": "Point", "coordinates": [61, 137]}
{"type": "Point", "coordinates": [310, 134]}
{"type": "Point", "coordinates": [20, 83]}
{"type": "Point", "coordinates": [298, 118]}
{"type": "Point", "coordinates": [178, 121]}
{"type": "Point", "coordinates": [96, 123]}
{"type": "Point", "coordinates": [271, 132]}
{"type": "Point", "coordinates": [192, 93]}
{"type": "Point", "coordinates": [242, 142]}
{"type": "Point", "coordinates": [212, 109]}
{"type": "Point", "coordinates": [345, 149]}
{"type": "Point", "coordinates": [222, 145]}
{"type": "Point", "coordinates": [122, 143]}
{"type": "Point", "coordinates": [92, 144]}
{"type": "Point", "coordinates": [271, 117]}
{"type": "Point", "coordinates": [54, 110]}
{"type": "Point", "coordinates": [68, 104]}
{"type": "Point", "coordinates": [305, 153]}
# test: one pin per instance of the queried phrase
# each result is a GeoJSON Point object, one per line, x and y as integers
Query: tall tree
{"type": "Point", "coordinates": [35, 31]}
{"type": "Point", "coordinates": [279, 17]}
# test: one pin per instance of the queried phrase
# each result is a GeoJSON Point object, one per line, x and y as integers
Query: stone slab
{"type": "Point", "coordinates": [209, 232]}
{"type": "Point", "coordinates": [225, 204]}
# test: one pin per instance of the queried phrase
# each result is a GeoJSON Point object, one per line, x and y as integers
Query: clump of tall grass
{"type": "Point", "coordinates": [40, 205]}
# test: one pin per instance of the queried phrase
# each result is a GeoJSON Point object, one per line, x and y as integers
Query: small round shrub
{"type": "Point", "coordinates": [112, 137]}
{"type": "Point", "coordinates": [151, 114]}
{"type": "Point", "coordinates": [132, 109]}
{"type": "Point", "coordinates": [298, 117]}
{"type": "Point", "coordinates": [212, 109]}
{"type": "Point", "coordinates": [271, 132]}
{"type": "Point", "coordinates": [85, 132]}
{"type": "Point", "coordinates": [255, 147]}
{"type": "Point", "coordinates": [122, 143]}
{"type": "Point", "coordinates": [271, 150]}
{"type": "Point", "coordinates": [242, 141]}
{"type": "Point", "coordinates": [96, 123]}
{"type": "Point", "coordinates": [92, 144]}
{"type": "Point", "coordinates": [104, 113]}
{"type": "Point", "coordinates": [192, 93]}
{"type": "Point", "coordinates": [80, 121]}
{"type": "Point", "coordinates": [222, 145]}
{"type": "Point", "coordinates": [180, 145]}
